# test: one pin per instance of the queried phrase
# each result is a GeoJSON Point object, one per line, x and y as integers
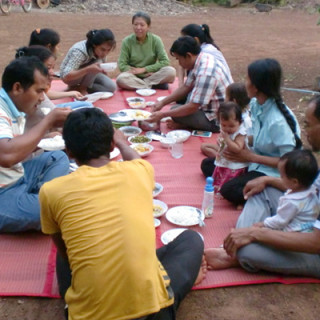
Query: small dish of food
{"type": "Point", "coordinates": [156, 222]}
{"type": "Point", "coordinates": [146, 92]}
{"type": "Point", "coordinates": [159, 208]}
{"type": "Point", "coordinates": [158, 188]}
{"type": "Point", "coordinates": [136, 102]}
{"type": "Point", "coordinates": [139, 139]}
{"type": "Point", "coordinates": [143, 149]}
{"type": "Point", "coordinates": [130, 131]}
{"type": "Point", "coordinates": [108, 66]}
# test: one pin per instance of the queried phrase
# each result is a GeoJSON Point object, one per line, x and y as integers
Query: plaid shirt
{"type": "Point", "coordinates": [209, 79]}
{"type": "Point", "coordinates": [77, 57]}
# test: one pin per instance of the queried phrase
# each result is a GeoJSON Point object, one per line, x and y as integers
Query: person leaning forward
{"type": "Point", "coordinates": [115, 270]}
{"type": "Point", "coordinates": [24, 82]}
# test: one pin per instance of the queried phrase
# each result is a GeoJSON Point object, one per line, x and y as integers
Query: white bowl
{"type": "Point", "coordinates": [179, 135]}
{"type": "Point", "coordinates": [108, 66]}
{"type": "Point", "coordinates": [143, 149]}
{"type": "Point", "coordinates": [130, 131]}
{"type": "Point", "coordinates": [159, 204]}
{"type": "Point", "coordinates": [146, 92]}
{"type": "Point", "coordinates": [167, 142]}
{"type": "Point", "coordinates": [139, 139]}
{"type": "Point", "coordinates": [136, 102]}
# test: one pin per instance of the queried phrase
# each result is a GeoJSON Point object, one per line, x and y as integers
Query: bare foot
{"type": "Point", "coordinates": [174, 125]}
{"type": "Point", "coordinates": [217, 258]}
{"type": "Point", "coordinates": [202, 272]}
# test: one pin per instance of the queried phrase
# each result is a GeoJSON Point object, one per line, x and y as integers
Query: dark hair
{"type": "Point", "coordinates": [185, 44]}
{"type": "Point", "coordinates": [202, 32]}
{"type": "Point", "coordinates": [98, 37]}
{"type": "Point", "coordinates": [44, 37]}
{"type": "Point", "coordinates": [88, 134]}
{"type": "Point", "coordinates": [22, 71]}
{"type": "Point", "coordinates": [237, 91]}
{"type": "Point", "coordinates": [316, 101]}
{"type": "Point", "coordinates": [226, 109]}
{"type": "Point", "coordinates": [143, 15]}
{"type": "Point", "coordinates": [39, 51]}
{"type": "Point", "coordinates": [301, 165]}
{"type": "Point", "coordinates": [265, 75]}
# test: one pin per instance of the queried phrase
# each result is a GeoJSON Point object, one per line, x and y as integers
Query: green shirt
{"type": "Point", "coordinates": [150, 54]}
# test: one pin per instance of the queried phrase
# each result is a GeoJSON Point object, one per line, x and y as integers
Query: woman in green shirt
{"type": "Point", "coordinates": [143, 61]}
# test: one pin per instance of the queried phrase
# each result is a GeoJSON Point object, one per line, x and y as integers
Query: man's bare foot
{"type": "Point", "coordinates": [217, 258]}
{"type": "Point", "coordinates": [174, 125]}
{"type": "Point", "coordinates": [202, 272]}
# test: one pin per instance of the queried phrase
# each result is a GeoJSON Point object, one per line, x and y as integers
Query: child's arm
{"type": "Point", "coordinates": [60, 94]}
{"type": "Point", "coordinates": [285, 214]}
{"type": "Point", "coordinates": [210, 150]}
{"type": "Point", "coordinates": [235, 145]}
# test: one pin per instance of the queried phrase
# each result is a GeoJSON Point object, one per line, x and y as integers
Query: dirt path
{"type": "Point", "coordinates": [292, 37]}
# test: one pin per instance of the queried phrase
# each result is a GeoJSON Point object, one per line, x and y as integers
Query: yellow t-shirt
{"type": "Point", "coordinates": [105, 216]}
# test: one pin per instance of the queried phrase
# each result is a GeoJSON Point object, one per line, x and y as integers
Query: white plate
{"type": "Point", "coordinates": [93, 97]}
{"type": "Point", "coordinates": [185, 216]}
{"type": "Point", "coordinates": [139, 146]}
{"type": "Point", "coordinates": [156, 222]}
{"type": "Point", "coordinates": [159, 204]}
{"type": "Point", "coordinates": [171, 234]}
{"type": "Point", "coordinates": [146, 92]}
{"type": "Point", "coordinates": [161, 98]}
{"type": "Point", "coordinates": [154, 135]}
{"type": "Point", "coordinates": [52, 144]}
{"type": "Point", "coordinates": [179, 135]}
{"type": "Point", "coordinates": [106, 95]}
{"type": "Point", "coordinates": [124, 115]}
{"type": "Point", "coordinates": [158, 188]}
{"type": "Point", "coordinates": [130, 131]}
{"type": "Point", "coordinates": [114, 153]}
{"type": "Point", "coordinates": [140, 115]}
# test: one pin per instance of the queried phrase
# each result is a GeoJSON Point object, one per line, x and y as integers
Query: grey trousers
{"type": "Point", "coordinates": [196, 121]}
{"type": "Point", "coordinates": [95, 83]}
{"type": "Point", "coordinates": [256, 257]}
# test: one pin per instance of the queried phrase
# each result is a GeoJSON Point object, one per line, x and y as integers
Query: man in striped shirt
{"type": "Point", "coordinates": [23, 84]}
{"type": "Point", "coordinates": [205, 89]}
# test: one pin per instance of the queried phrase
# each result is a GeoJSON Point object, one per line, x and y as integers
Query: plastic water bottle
{"type": "Point", "coordinates": [208, 198]}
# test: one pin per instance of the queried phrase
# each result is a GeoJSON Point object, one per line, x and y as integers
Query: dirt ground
{"type": "Point", "coordinates": [244, 35]}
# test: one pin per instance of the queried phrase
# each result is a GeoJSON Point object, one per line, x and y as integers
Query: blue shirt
{"type": "Point", "coordinates": [272, 135]}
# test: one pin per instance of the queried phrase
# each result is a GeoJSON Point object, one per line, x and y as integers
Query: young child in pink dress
{"type": "Point", "coordinates": [232, 137]}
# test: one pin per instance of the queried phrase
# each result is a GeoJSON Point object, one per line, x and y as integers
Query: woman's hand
{"type": "Point", "coordinates": [245, 155]}
{"type": "Point", "coordinates": [77, 95]}
{"type": "Point", "coordinates": [137, 70]}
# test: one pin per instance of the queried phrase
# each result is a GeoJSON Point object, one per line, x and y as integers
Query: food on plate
{"type": "Point", "coordinates": [157, 210]}
{"type": "Point", "coordinates": [141, 115]}
{"type": "Point", "coordinates": [141, 148]}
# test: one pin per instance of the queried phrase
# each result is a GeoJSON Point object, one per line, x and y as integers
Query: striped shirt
{"type": "Point", "coordinates": [209, 80]}
{"type": "Point", "coordinates": [77, 57]}
{"type": "Point", "coordinates": [12, 123]}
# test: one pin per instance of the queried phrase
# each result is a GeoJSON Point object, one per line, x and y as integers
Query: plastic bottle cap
{"type": "Point", "coordinates": [209, 185]}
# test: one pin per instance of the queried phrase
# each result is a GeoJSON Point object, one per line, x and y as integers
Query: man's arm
{"type": "Point", "coordinates": [59, 243]}
{"type": "Point", "coordinates": [308, 242]}
{"type": "Point", "coordinates": [18, 148]}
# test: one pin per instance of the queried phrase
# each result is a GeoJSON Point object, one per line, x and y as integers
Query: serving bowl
{"type": "Point", "coordinates": [179, 135]}
{"type": "Point", "coordinates": [136, 102]}
{"type": "Point", "coordinates": [143, 149]}
{"type": "Point", "coordinates": [130, 131]}
{"type": "Point", "coordinates": [139, 139]}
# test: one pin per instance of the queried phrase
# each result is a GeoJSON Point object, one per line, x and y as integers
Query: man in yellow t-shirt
{"type": "Point", "coordinates": [100, 217]}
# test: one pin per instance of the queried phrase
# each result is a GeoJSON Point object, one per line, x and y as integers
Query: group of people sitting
{"type": "Point", "coordinates": [108, 266]}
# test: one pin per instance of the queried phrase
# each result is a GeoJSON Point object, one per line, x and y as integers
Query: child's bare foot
{"type": "Point", "coordinates": [217, 258]}
{"type": "Point", "coordinates": [174, 125]}
{"type": "Point", "coordinates": [202, 272]}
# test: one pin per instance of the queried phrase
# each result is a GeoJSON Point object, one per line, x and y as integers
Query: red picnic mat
{"type": "Point", "coordinates": [27, 261]}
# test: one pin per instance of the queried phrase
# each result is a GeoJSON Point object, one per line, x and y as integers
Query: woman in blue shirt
{"type": "Point", "coordinates": [275, 130]}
